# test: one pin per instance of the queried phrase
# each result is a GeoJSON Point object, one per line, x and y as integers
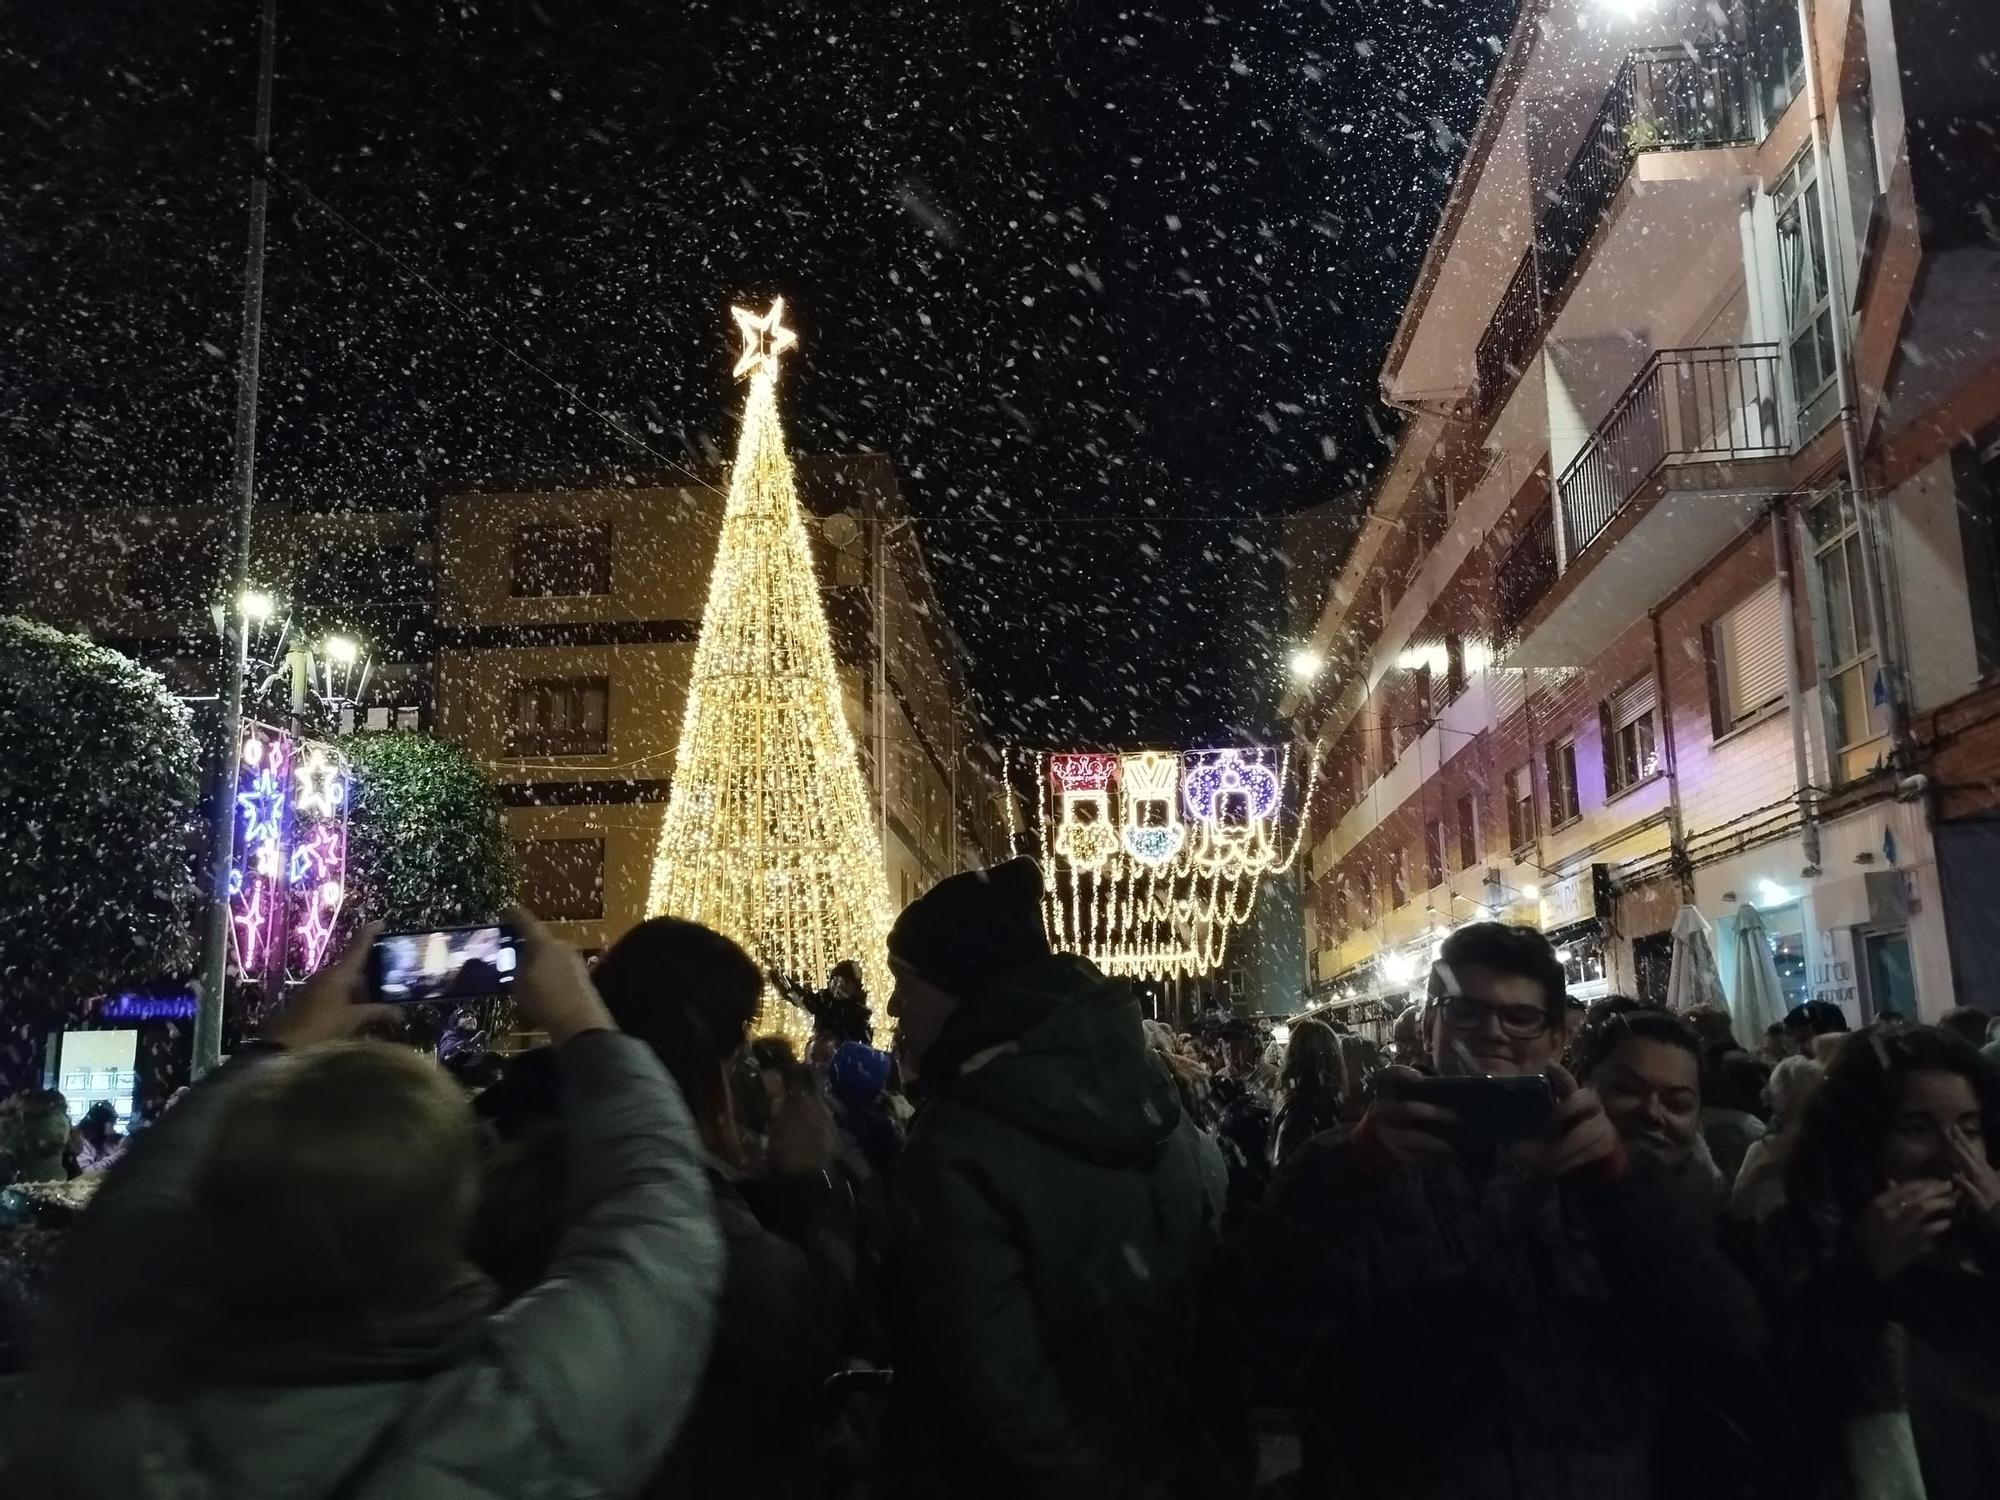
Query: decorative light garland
{"type": "Point", "coordinates": [1159, 897]}
{"type": "Point", "coordinates": [768, 835]}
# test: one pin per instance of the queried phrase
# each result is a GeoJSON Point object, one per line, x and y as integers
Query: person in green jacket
{"type": "Point", "coordinates": [36, 1139]}
{"type": "Point", "coordinates": [280, 1268]}
{"type": "Point", "coordinates": [1050, 1219]}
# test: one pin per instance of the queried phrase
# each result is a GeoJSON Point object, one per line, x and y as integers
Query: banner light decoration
{"type": "Point", "coordinates": [1159, 896]}
{"type": "Point", "coordinates": [316, 873]}
{"type": "Point", "coordinates": [1083, 785]}
{"type": "Point", "coordinates": [290, 875]}
{"type": "Point", "coordinates": [1152, 837]}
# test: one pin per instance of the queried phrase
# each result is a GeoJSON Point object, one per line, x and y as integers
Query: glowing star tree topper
{"type": "Point", "coordinates": [769, 836]}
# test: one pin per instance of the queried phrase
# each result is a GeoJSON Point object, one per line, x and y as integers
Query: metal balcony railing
{"type": "Point", "coordinates": [1527, 572]}
{"type": "Point", "coordinates": [1511, 335]}
{"type": "Point", "coordinates": [1663, 99]}
{"type": "Point", "coordinates": [1686, 406]}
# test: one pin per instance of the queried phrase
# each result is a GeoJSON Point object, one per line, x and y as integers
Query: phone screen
{"type": "Point", "coordinates": [448, 963]}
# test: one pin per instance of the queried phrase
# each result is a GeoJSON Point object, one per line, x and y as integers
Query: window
{"type": "Point", "coordinates": [1809, 312]}
{"type": "Point", "coordinates": [560, 716]}
{"type": "Point", "coordinates": [558, 562]}
{"type": "Point", "coordinates": [1468, 832]}
{"type": "Point", "coordinates": [1854, 685]}
{"type": "Point", "coordinates": [1434, 855]}
{"type": "Point", "coordinates": [1560, 763]}
{"type": "Point", "coordinates": [1746, 655]}
{"type": "Point", "coordinates": [1454, 668]}
{"type": "Point", "coordinates": [1365, 901]}
{"type": "Point", "coordinates": [1341, 918]}
{"type": "Point", "coordinates": [1399, 880]}
{"type": "Point", "coordinates": [1631, 734]}
{"type": "Point", "coordinates": [364, 575]}
{"type": "Point", "coordinates": [1520, 808]}
{"type": "Point", "coordinates": [562, 880]}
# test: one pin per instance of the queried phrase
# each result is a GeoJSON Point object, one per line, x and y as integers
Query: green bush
{"type": "Point", "coordinates": [100, 793]}
{"type": "Point", "coordinates": [426, 839]}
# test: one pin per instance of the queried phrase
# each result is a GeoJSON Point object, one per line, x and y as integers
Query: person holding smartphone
{"type": "Point", "coordinates": [282, 1267]}
{"type": "Point", "coordinates": [1491, 1291]}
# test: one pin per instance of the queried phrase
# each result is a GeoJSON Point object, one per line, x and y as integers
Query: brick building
{"type": "Point", "coordinates": [552, 634]}
{"type": "Point", "coordinates": [1681, 586]}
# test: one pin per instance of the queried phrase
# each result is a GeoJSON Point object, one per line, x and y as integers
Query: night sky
{"type": "Point", "coordinates": [1110, 283]}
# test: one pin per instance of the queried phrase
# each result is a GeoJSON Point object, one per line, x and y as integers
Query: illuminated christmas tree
{"type": "Point", "coordinates": [769, 836]}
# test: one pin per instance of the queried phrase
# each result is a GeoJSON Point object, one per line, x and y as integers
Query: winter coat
{"type": "Point", "coordinates": [1730, 1134]}
{"type": "Point", "coordinates": [1476, 1331]}
{"type": "Point", "coordinates": [784, 1306]}
{"type": "Point", "coordinates": [1904, 1377]}
{"type": "Point", "coordinates": [1301, 1117]}
{"type": "Point", "coordinates": [1050, 1223]}
{"type": "Point", "coordinates": [572, 1391]}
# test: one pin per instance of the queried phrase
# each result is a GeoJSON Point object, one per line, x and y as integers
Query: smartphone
{"type": "Point", "coordinates": [445, 963]}
{"type": "Point", "coordinates": [1496, 1110]}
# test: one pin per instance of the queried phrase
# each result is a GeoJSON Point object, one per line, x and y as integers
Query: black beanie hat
{"type": "Point", "coordinates": [971, 928]}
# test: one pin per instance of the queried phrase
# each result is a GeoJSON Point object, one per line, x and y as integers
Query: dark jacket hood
{"type": "Point", "coordinates": [1056, 1048]}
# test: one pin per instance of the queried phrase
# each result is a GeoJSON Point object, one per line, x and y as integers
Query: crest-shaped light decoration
{"type": "Point", "coordinates": [1084, 833]}
{"type": "Point", "coordinates": [1232, 798]}
{"type": "Point", "coordinates": [1153, 832]}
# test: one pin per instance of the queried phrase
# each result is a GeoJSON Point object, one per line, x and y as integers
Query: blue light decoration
{"type": "Point", "coordinates": [175, 1007]}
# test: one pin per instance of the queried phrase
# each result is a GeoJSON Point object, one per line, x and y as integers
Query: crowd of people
{"type": "Point", "coordinates": [1035, 1245]}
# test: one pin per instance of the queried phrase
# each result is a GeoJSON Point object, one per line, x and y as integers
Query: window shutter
{"type": "Point", "coordinates": [1750, 650]}
{"type": "Point", "coordinates": [1634, 702]}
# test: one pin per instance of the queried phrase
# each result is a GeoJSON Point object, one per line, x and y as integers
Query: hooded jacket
{"type": "Point", "coordinates": [1050, 1222]}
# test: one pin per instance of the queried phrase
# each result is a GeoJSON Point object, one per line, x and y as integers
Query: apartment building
{"type": "Point", "coordinates": [1679, 589]}
{"type": "Point", "coordinates": [552, 634]}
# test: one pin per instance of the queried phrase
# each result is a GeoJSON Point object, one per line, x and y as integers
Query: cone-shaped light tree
{"type": "Point", "coordinates": [769, 836]}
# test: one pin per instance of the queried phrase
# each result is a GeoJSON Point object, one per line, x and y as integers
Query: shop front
{"type": "Point", "coordinates": [1574, 915]}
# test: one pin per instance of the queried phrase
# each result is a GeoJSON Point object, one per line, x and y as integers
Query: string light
{"type": "Point", "coordinates": [768, 835]}
{"type": "Point", "coordinates": [1159, 899]}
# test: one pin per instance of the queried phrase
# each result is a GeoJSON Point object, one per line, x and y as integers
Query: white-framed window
{"type": "Point", "coordinates": [1746, 654]}
{"type": "Point", "coordinates": [1809, 311]}
{"type": "Point", "coordinates": [1468, 831]}
{"type": "Point", "coordinates": [1434, 853]}
{"type": "Point", "coordinates": [1855, 686]}
{"type": "Point", "coordinates": [1399, 879]}
{"type": "Point", "coordinates": [1631, 735]}
{"type": "Point", "coordinates": [1560, 764]}
{"type": "Point", "coordinates": [1520, 808]}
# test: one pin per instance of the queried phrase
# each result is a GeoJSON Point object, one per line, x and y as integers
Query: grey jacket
{"type": "Point", "coordinates": [573, 1390]}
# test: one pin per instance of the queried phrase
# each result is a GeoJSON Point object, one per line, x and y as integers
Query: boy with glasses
{"type": "Point", "coordinates": [1500, 1253]}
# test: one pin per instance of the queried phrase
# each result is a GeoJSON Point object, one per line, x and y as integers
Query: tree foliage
{"type": "Point", "coordinates": [100, 791]}
{"type": "Point", "coordinates": [426, 839]}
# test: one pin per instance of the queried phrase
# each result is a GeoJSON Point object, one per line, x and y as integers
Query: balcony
{"type": "Point", "coordinates": [1526, 573]}
{"type": "Point", "coordinates": [1662, 99]}
{"type": "Point", "coordinates": [1688, 457]}
{"type": "Point", "coordinates": [1714, 405]}
{"type": "Point", "coordinates": [1511, 338]}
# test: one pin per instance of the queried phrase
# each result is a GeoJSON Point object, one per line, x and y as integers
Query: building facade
{"type": "Point", "coordinates": [551, 634]}
{"type": "Point", "coordinates": [1679, 588]}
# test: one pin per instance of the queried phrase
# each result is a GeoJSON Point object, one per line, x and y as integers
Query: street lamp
{"type": "Point", "coordinates": [1306, 664]}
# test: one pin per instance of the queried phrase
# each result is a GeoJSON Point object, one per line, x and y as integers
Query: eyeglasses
{"type": "Point", "coordinates": [1522, 1022]}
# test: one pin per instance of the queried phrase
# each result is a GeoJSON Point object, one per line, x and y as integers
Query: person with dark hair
{"type": "Point", "coordinates": [691, 994]}
{"type": "Point", "coordinates": [1732, 1108]}
{"type": "Point", "coordinates": [1310, 1086]}
{"type": "Point", "coordinates": [36, 1147]}
{"type": "Point", "coordinates": [1646, 1065]}
{"type": "Point", "coordinates": [1967, 1023]}
{"type": "Point", "coordinates": [1806, 1023]}
{"type": "Point", "coordinates": [1885, 1257]}
{"type": "Point", "coordinates": [98, 1139]}
{"type": "Point", "coordinates": [1510, 1260]}
{"type": "Point", "coordinates": [1713, 1026]}
{"type": "Point", "coordinates": [281, 1264]}
{"type": "Point", "coordinates": [1051, 1219]}
{"type": "Point", "coordinates": [1242, 1118]}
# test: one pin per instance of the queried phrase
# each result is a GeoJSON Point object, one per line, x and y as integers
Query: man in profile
{"type": "Point", "coordinates": [1050, 1215]}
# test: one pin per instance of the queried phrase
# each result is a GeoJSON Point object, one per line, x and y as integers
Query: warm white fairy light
{"type": "Point", "coordinates": [768, 834]}
{"type": "Point", "coordinates": [1140, 911]}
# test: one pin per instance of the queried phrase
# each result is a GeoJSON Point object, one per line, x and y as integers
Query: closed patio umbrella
{"type": "Point", "coordinates": [1694, 978]}
{"type": "Point", "coordinates": [1759, 1001]}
